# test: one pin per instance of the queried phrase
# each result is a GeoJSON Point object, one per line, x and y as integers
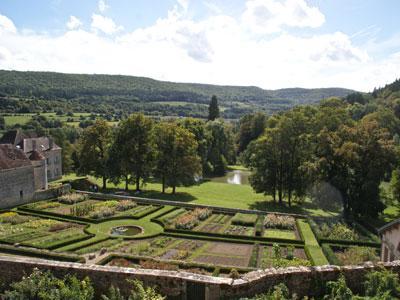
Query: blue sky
{"type": "Point", "coordinates": [267, 43]}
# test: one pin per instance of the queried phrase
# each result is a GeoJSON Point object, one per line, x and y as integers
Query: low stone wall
{"type": "Point", "coordinates": [304, 281]}
{"type": "Point", "coordinates": [51, 193]}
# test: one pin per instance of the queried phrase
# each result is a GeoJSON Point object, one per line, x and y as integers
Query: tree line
{"type": "Point", "coordinates": [176, 152]}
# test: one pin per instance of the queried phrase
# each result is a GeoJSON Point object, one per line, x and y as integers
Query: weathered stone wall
{"type": "Point", "coordinates": [51, 193]}
{"type": "Point", "coordinates": [16, 186]}
{"type": "Point", "coordinates": [54, 164]}
{"type": "Point", "coordinates": [181, 285]}
{"type": "Point", "coordinates": [40, 174]}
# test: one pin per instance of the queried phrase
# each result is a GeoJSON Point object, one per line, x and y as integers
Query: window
{"type": "Point", "coordinates": [21, 195]}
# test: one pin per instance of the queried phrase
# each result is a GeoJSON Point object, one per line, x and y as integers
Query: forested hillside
{"type": "Point", "coordinates": [46, 91]}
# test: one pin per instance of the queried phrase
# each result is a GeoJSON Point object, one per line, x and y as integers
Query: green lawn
{"type": "Point", "coordinates": [281, 234]}
{"type": "Point", "coordinates": [217, 194]}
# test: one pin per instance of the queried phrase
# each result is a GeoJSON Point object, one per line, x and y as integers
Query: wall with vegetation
{"type": "Point", "coordinates": [181, 285]}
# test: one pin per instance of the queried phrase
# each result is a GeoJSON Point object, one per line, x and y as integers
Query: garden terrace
{"type": "Point", "coordinates": [172, 236]}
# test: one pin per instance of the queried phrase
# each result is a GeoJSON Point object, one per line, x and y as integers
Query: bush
{"type": "Point", "coordinates": [382, 285]}
{"type": "Point", "coordinates": [357, 255]}
{"type": "Point", "coordinates": [244, 219]}
{"type": "Point", "coordinates": [234, 274]}
{"type": "Point", "coordinates": [125, 205]}
{"type": "Point", "coordinates": [338, 231]}
{"type": "Point", "coordinates": [102, 212]}
{"type": "Point", "coordinates": [72, 198]}
{"type": "Point", "coordinates": [338, 290]}
{"type": "Point", "coordinates": [14, 218]}
{"type": "Point", "coordinates": [279, 222]}
{"type": "Point", "coordinates": [43, 285]}
{"type": "Point", "coordinates": [280, 292]}
{"type": "Point", "coordinates": [81, 210]}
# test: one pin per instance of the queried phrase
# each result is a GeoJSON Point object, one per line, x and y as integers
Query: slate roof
{"type": "Point", "coordinates": [11, 157]}
{"type": "Point", "coordinates": [36, 155]}
{"type": "Point", "coordinates": [16, 137]}
{"type": "Point", "coordinates": [388, 226]}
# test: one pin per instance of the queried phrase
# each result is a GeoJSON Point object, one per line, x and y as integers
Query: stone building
{"type": "Point", "coordinates": [31, 144]}
{"type": "Point", "coordinates": [27, 164]}
{"type": "Point", "coordinates": [17, 177]}
{"type": "Point", "coordinates": [390, 236]}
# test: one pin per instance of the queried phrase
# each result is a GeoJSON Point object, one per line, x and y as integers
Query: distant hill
{"type": "Point", "coordinates": [111, 94]}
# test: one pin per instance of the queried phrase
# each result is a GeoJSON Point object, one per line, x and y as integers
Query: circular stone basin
{"type": "Point", "coordinates": [126, 230]}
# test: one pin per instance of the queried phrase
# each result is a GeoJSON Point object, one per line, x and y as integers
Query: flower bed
{"type": "Point", "coordinates": [192, 218]}
{"type": "Point", "coordinates": [280, 222]}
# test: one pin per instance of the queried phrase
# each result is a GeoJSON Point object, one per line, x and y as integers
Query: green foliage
{"type": "Point", "coordinates": [382, 285]}
{"type": "Point", "coordinates": [177, 162]}
{"type": "Point", "coordinates": [338, 231]}
{"type": "Point", "coordinates": [213, 109]}
{"type": "Point", "coordinates": [280, 222]}
{"type": "Point", "coordinates": [357, 255]}
{"type": "Point", "coordinates": [251, 126]}
{"type": "Point", "coordinates": [44, 286]}
{"type": "Point", "coordinates": [338, 290]}
{"type": "Point", "coordinates": [244, 219]}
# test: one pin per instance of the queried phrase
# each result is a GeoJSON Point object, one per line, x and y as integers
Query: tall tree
{"type": "Point", "coordinates": [202, 136]}
{"type": "Point", "coordinates": [355, 159]}
{"type": "Point", "coordinates": [135, 147]}
{"type": "Point", "coordinates": [93, 150]}
{"type": "Point", "coordinates": [279, 158]}
{"type": "Point", "coordinates": [251, 126]}
{"type": "Point", "coordinates": [213, 109]}
{"type": "Point", "coordinates": [177, 159]}
{"type": "Point", "coordinates": [2, 123]}
{"type": "Point", "coordinates": [221, 151]}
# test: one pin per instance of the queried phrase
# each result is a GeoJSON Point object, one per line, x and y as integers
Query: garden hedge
{"type": "Point", "coordinates": [330, 255]}
{"type": "Point", "coordinates": [31, 252]}
{"type": "Point", "coordinates": [236, 237]}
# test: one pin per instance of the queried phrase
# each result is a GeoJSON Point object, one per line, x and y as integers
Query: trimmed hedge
{"type": "Point", "coordinates": [31, 252]}
{"type": "Point", "coordinates": [244, 219]}
{"type": "Point", "coordinates": [316, 255]}
{"type": "Point", "coordinates": [330, 255]}
{"type": "Point", "coordinates": [55, 216]}
{"type": "Point", "coordinates": [236, 237]}
{"type": "Point", "coordinates": [254, 256]}
{"type": "Point", "coordinates": [147, 211]}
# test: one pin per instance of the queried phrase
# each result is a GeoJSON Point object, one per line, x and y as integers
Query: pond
{"type": "Point", "coordinates": [126, 230]}
{"type": "Point", "coordinates": [234, 177]}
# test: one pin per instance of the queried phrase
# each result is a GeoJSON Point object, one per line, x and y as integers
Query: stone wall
{"type": "Point", "coordinates": [182, 285]}
{"type": "Point", "coordinates": [51, 193]}
{"type": "Point", "coordinates": [40, 174]}
{"type": "Point", "coordinates": [16, 186]}
{"type": "Point", "coordinates": [54, 164]}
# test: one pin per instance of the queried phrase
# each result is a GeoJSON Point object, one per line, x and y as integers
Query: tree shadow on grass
{"type": "Point", "coordinates": [153, 194]}
{"type": "Point", "coordinates": [270, 206]}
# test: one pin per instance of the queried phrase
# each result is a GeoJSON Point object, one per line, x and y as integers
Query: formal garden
{"type": "Point", "coordinates": [133, 232]}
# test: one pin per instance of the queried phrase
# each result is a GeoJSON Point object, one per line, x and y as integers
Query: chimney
{"type": "Point", "coordinates": [51, 143]}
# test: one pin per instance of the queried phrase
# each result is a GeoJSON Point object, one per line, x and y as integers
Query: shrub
{"type": "Point", "coordinates": [338, 290]}
{"type": "Point", "coordinates": [357, 255]}
{"type": "Point", "coordinates": [14, 218]}
{"type": "Point", "coordinates": [108, 203]}
{"type": "Point", "coordinates": [234, 274]}
{"type": "Point", "coordinates": [202, 213]}
{"type": "Point", "coordinates": [125, 205]}
{"type": "Point", "coordinates": [43, 285]}
{"type": "Point", "coordinates": [279, 222]}
{"type": "Point", "coordinates": [61, 226]}
{"type": "Point", "coordinates": [280, 292]}
{"type": "Point", "coordinates": [102, 212]}
{"type": "Point", "coordinates": [338, 231]}
{"type": "Point", "coordinates": [72, 198]}
{"type": "Point", "coordinates": [382, 285]}
{"type": "Point", "coordinates": [81, 210]}
{"type": "Point", "coordinates": [244, 219]}
{"type": "Point", "coordinates": [276, 251]}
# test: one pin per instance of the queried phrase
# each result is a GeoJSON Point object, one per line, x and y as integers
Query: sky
{"type": "Point", "coordinates": [267, 43]}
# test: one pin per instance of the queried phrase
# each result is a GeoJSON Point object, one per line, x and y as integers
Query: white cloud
{"type": "Point", "coordinates": [269, 16]}
{"type": "Point", "coordinates": [6, 25]}
{"type": "Point", "coordinates": [216, 49]}
{"type": "Point", "coordinates": [104, 24]}
{"type": "Point", "coordinates": [73, 23]}
{"type": "Point", "coordinates": [102, 5]}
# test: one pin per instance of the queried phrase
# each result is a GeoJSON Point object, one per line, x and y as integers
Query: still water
{"type": "Point", "coordinates": [234, 177]}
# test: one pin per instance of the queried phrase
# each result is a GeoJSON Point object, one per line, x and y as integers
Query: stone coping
{"type": "Point", "coordinates": [244, 280]}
